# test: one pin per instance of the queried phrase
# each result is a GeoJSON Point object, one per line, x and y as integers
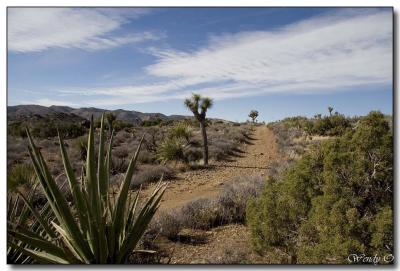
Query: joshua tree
{"type": "Point", "coordinates": [330, 109]}
{"type": "Point", "coordinates": [194, 104]}
{"type": "Point", "coordinates": [253, 115]}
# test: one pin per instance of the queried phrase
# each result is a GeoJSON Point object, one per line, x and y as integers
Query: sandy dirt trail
{"type": "Point", "coordinates": [253, 159]}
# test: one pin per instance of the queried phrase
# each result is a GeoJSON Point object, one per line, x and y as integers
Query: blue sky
{"type": "Point", "coordinates": [279, 61]}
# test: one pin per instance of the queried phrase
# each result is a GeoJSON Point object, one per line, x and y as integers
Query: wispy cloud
{"type": "Point", "coordinates": [49, 102]}
{"type": "Point", "coordinates": [38, 29]}
{"type": "Point", "coordinates": [325, 53]}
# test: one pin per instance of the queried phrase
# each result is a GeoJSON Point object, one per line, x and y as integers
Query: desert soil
{"type": "Point", "coordinates": [225, 242]}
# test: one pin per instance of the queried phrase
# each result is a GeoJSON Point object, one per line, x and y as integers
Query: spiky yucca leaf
{"type": "Point", "coordinates": [97, 229]}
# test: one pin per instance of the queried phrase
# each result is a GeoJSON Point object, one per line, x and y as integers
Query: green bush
{"type": "Point", "coordinates": [181, 131]}
{"type": "Point", "coordinates": [171, 149]}
{"type": "Point", "coordinates": [152, 122]}
{"type": "Point", "coordinates": [335, 201]}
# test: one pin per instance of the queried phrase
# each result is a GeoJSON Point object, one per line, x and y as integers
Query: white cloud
{"type": "Point", "coordinates": [351, 50]}
{"type": "Point", "coordinates": [49, 102]}
{"type": "Point", "coordinates": [38, 29]}
{"type": "Point", "coordinates": [322, 54]}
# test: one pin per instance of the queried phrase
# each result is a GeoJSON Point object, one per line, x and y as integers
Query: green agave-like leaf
{"type": "Point", "coordinates": [74, 187]}
{"type": "Point", "coordinates": [38, 217]}
{"type": "Point", "coordinates": [42, 244]}
{"type": "Point", "coordinates": [39, 256]}
{"type": "Point", "coordinates": [98, 229]}
{"type": "Point", "coordinates": [121, 206]}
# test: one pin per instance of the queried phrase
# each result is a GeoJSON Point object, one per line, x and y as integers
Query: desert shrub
{"type": "Point", "coordinates": [151, 173]}
{"type": "Point", "coordinates": [334, 201]}
{"type": "Point", "coordinates": [19, 175]}
{"type": "Point", "coordinates": [330, 125]}
{"type": "Point", "coordinates": [181, 131]}
{"type": "Point", "coordinates": [121, 152]}
{"type": "Point", "coordinates": [146, 157]}
{"type": "Point", "coordinates": [238, 134]}
{"type": "Point", "coordinates": [16, 129]}
{"type": "Point", "coordinates": [171, 149]}
{"type": "Point", "coordinates": [49, 129]}
{"type": "Point", "coordinates": [118, 165]}
{"type": "Point", "coordinates": [167, 224]}
{"type": "Point", "coordinates": [233, 198]}
{"type": "Point", "coordinates": [200, 214]}
{"type": "Point", "coordinates": [152, 122]}
{"type": "Point", "coordinates": [119, 125]}
{"type": "Point", "coordinates": [220, 149]}
{"type": "Point", "coordinates": [205, 213]}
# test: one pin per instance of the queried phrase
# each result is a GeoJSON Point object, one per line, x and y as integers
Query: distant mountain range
{"type": "Point", "coordinates": [23, 112]}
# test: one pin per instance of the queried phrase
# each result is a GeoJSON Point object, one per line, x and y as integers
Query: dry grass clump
{"type": "Point", "coordinates": [167, 223]}
{"type": "Point", "coordinates": [204, 213]}
{"type": "Point", "coordinates": [151, 173]}
{"type": "Point", "coordinates": [221, 149]}
{"type": "Point", "coordinates": [200, 214]}
{"type": "Point", "coordinates": [291, 140]}
{"type": "Point", "coordinates": [234, 196]}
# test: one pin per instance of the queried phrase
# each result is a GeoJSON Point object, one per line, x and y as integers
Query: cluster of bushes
{"type": "Point", "coordinates": [150, 174]}
{"type": "Point", "coordinates": [204, 213]}
{"type": "Point", "coordinates": [117, 124]}
{"type": "Point", "coordinates": [335, 201]}
{"type": "Point", "coordinates": [332, 125]}
{"type": "Point", "coordinates": [45, 129]}
{"type": "Point", "coordinates": [151, 122]}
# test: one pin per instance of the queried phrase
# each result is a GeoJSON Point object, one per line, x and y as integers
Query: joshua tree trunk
{"type": "Point", "coordinates": [205, 143]}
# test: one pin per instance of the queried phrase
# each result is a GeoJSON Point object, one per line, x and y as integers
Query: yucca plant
{"type": "Point", "coordinates": [181, 130]}
{"type": "Point", "coordinates": [171, 149]}
{"type": "Point", "coordinates": [21, 216]}
{"type": "Point", "coordinates": [96, 228]}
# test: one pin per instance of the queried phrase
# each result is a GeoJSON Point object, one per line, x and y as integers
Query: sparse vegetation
{"type": "Point", "coordinates": [321, 163]}
{"type": "Point", "coordinates": [204, 213]}
{"type": "Point", "coordinates": [106, 231]}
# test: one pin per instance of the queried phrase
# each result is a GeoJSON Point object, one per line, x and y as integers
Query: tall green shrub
{"type": "Point", "coordinates": [335, 201]}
